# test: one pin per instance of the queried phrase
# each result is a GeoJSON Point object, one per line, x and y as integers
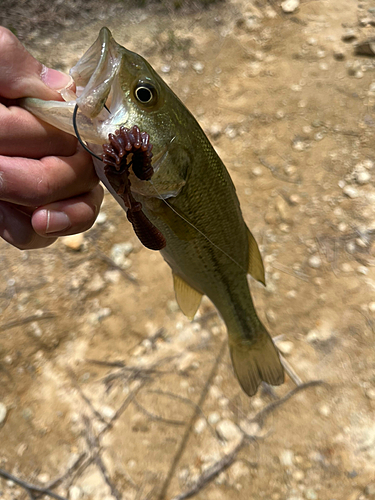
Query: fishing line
{"type": "Point", "coordinates": [196, 229]}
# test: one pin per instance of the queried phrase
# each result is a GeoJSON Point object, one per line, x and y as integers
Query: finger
{"type": "Point", "coordinates": [16, 229]}
{"type": "Point", "coordinates": [34, 183]}
{"type": "Point", "coordinates": [68, 216]}
{"type": "Point", "coordinates": [21, 75]}
{"type": "Point", "coordinates": [22, 134]}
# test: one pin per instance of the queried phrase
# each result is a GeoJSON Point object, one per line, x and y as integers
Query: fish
{"type": "Point", "coordinates": [190, 200]}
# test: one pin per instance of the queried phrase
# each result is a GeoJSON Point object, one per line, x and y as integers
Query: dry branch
{"type": "Point", "coordinates": [187, 433]}
{"type": "Point", "coordinates": [30, 488]}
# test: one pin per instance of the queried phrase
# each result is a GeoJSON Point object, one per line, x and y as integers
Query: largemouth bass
{"type": "Point", "coordinates": [190, 198]}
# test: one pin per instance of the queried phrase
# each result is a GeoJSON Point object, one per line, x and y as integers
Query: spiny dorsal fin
{"type": "Point", "coordinates": [187, 297]}
{"type": "Point", "coordinates": [256, 268]}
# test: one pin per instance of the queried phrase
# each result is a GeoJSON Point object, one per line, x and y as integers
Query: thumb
{"type": "Point", "coordinates": [21, 75]}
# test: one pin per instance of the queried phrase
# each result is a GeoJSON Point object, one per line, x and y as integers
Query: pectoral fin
{"type": "Point", "coordinates": [256, 268]}
{"type": "Point", "coordinates": [187, 297]}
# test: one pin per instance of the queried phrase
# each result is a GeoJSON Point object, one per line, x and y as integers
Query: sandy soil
{"type": "Point", "coordinates": [101, 375]}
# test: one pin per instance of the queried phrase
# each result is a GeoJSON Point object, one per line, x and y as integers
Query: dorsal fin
{"type": "Point", "coordinates": [187, 297]}
{"type": "Point", "coordinates": [255, 268]}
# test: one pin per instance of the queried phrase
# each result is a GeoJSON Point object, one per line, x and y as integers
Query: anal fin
{"type": "Point", "coordinates": [187, 297]}
{"type": "Point", "coordinates": [255, 268]}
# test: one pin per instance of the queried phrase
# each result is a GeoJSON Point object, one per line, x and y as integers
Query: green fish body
{"type": "Point", "coordinates": [190, 198]}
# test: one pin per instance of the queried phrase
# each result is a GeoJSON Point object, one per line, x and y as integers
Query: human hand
{"type": "Point", "coordinates": [48, 186]}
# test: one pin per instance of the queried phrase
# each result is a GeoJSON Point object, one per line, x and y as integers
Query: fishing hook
{"type": "Point", "coordinates": [78, 134]}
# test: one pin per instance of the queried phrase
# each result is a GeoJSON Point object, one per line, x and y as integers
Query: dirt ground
{"type": "Point", "coordinates": [109, 391]}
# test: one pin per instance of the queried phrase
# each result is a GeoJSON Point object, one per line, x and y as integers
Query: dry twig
{"type": "Point", "coordinates": [30, 488]}
{"type": "Point", "coordinates": [187, 433]}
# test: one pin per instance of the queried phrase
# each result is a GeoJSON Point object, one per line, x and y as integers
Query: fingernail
{"type": "Point", "coordinates": [55, 80]}
{"type": "Point", "coordinates": [56, 221]}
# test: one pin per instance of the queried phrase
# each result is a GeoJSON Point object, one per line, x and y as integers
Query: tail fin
{"type": "Point", "coordinates": [256, 361]}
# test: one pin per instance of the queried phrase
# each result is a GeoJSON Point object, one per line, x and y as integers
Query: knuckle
{"type": "Point", "coordinates": [7, 39]}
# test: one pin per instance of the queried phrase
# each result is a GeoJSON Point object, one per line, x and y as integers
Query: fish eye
{"type": "Point", "coordinates": [145, 93]}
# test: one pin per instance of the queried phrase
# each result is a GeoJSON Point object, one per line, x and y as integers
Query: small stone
{"type": "Point", "coordinates": [370, 393]}
{"type": "Point", "coordinates": [315, 261]}
{"type": "Point", "coordinates": [200, 425]}
{"type": "Point", "coordinates": [350, 191]}
{"type": "Point", "coordinates": [101, 218]}
{"type": "Point", "coordinates": [228, 431]}
{"type": "Point", "coordinates": [121, 250]}
{"type": "Point", "coordinates": [165, 68]}
{"type": "Point", "coordinates": [319, 335]}
{"type": "Point", "coordinates": [362, 177]}
{"type": "Point", "coordinates": [112, 276]}
{"type": "Point", "coordinates": [295, 199]}
{"type": "Point", "coordinates": [298, 475]}
{"type": "Point", "coordinates": [286, 458]}
{"type": "Point", "coordinates": [290, 6]}
{"type": "Point", "coordinates": [362, 270]}
{"type": "Point", "coordinates": [3, 413]}
{"type": "Point", "coordinates": [198, 67]}
{"type": "Point", "coordinates": [371, 306]}
{"type": "Point", "coordinates": [285, 347]}
{"type": "Point", "coordinates": [107, 411]}
{"type": "Point", "coordinates": [239, 470]}
{"type": "Point", "coordinates": [44, 477]}
{"type": "Point", "coordinates": [257, 171]}
{"type": "Point", "coordinates": [75, 493]}
{"type": "Point", "coordinates": [250, 428]}
{"type": "Point", "coordinates": [96, 284]}
{"type": "Point", "coordinates": [324, 410]}
{"type": "Point", "coordinates": [73, 242]}
{"type": "Point", "coordinates": [215, 131]}
{"type": "Point", "coordinates": [349, 36]}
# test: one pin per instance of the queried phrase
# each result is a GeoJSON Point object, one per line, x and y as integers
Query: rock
{"type": "Point", "coordinates": [213, 418]}
{"type": "Point", "coordinates": [362, 270]}
{"type": "Point", "coordinates": [286, 458]}
{"type": "Point", "coordinates": [3, 413]}
{"type": "Point", "coordinates": [362, 177]}
{"type": "Point", "coordinates": [96, 284]}
{"type": "Point", "coordinates": [198, 67]}
{"type": "Point", "coordinates": [74, 242]}
{"type": "Point", "coordinates": [250, 428]}
{"type": "Point", "coordinates": [239, 470]}
{"type": "Point", "coordinates": [119, 252]}
{"type": "Point", "coordinates": [289, 6]}
{"type": "Point", "coordinates": [315, 261]}
{"type": "Point", "coordinates": [349, 36]}
{"type": "Point", "coordinates": [229, 432]}
{"type": "Point", "coordinates": [101, 218]}
{"type": "Point", "coordinates": [324, 410]}
{"type": "Point", "coordinates": [319, 335]}
{"type": "Point", "coordinates": [44, 477]}
{"type": "Point", "coordinates": [200, 425]}
{"type": "Point", "coordinates": [75, 493]}
{"type": "Point", "coordinates": [285, 347]}
{"type": "Point", "coordinates": [370, 393]}
{"type": "Point", "coordinates": [350, 191]}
